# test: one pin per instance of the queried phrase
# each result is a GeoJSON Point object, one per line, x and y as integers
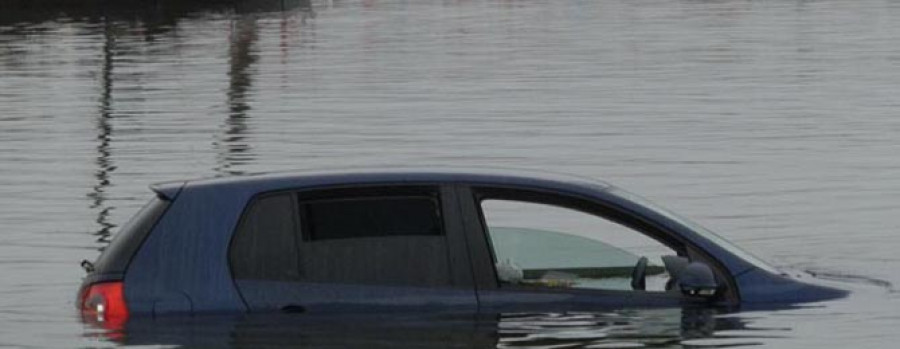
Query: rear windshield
{"type": "Point", "coordinates": [117, 255]}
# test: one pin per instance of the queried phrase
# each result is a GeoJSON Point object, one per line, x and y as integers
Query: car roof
{"type": "Point", "coordinates": [373, 176]}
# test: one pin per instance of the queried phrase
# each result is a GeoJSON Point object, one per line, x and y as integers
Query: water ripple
{"type": "Point", "coordinates": [755, 118]}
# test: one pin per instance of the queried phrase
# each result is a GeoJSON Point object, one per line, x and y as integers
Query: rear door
{"type": "Point", "coordinates": [353, 249]}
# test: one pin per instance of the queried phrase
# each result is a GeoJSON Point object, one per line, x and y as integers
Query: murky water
{"type": "Point", "coordinates": [772, 122]}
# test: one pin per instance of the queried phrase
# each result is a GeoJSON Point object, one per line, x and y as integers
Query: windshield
{"type": "Point", "coordinates": [706, 233]}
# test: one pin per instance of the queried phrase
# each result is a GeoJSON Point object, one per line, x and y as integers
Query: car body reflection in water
{"type": "Point", "coordinates": [667, 327]}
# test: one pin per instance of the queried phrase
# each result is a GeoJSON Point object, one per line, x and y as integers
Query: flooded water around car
{"type": "Point", "coordinates": [772, 122]}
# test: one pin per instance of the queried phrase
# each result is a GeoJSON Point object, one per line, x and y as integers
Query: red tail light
{"type": "Point", "coordinates": [104, 304]}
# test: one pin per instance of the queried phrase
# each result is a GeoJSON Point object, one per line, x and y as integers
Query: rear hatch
{"type": "Point", "coordinates": [101, 297]}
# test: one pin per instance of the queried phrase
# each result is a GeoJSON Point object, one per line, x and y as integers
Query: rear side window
{"type": "Point", "coordinates": [377, 236]}
{"type": "Point", "coordinates": [117, 255]}
{"type": "Point", "coordinates": [371, 217]}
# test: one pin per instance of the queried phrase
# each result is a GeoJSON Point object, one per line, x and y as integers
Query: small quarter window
{"type": "Point", "coordinates": [265, 246]}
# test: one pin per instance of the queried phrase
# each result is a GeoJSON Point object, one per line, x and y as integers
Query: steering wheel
{"type": "Point", "coordinates": [638, 275]}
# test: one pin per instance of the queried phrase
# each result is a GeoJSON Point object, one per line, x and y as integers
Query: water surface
{"type": "Point", "coordinates": [772, 123]}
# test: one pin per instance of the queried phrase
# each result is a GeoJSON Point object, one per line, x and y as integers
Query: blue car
{"type": "Point", "coordinates": [419, 240]}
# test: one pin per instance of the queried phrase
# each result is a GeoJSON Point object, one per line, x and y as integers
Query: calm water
{"type": "Point", "coordinates": [773, 122]}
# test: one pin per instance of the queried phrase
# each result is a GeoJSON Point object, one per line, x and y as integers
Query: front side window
{"type": "Point", "coordinates": [545, 245]}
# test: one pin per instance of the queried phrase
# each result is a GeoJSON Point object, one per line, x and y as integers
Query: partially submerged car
{"type": "Point", "coordinates": [393, 240]}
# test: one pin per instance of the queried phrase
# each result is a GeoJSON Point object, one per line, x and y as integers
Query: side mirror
{"type": "Point", "coordinates": [697, 279]}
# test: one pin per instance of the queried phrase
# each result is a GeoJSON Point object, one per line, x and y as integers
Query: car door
{"type": "Point", "coordinates": [361, 248]}
{"type": "Point", "coordinates": [536, 250]}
